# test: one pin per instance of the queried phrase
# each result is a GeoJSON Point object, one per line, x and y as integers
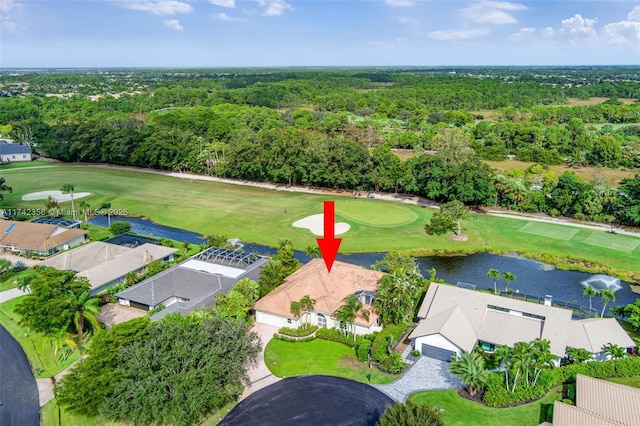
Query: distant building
{"type": "Point", "coordinates": [193, 283]}
{"type": "Point", "coordinates": [38, 238]}
{"type": "Point", "coordinates": [105, 264]}
{"type": "Point", "coordinates": [10, 152]}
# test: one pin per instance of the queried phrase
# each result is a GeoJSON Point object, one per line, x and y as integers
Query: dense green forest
{"type": "Point", "coordinates": [338, 128]}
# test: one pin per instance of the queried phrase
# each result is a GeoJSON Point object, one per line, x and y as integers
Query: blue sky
{"type": "Point", "coordinates": [222, 33]}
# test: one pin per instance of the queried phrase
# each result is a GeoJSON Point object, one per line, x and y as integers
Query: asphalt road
{"type": "Point", "coordinates": [18, 389]}
{"type": "Point", "coordinates": [311, 401]}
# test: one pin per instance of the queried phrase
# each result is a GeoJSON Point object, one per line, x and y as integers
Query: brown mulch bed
{"type": "Point", "coordinates": [475, 398]}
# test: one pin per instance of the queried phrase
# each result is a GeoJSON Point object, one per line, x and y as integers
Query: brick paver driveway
{"type": "Point", "coordinates": [425, 374]}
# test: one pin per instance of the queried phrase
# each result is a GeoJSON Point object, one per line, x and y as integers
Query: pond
{"type": "Point", "coordinates": [533, 278]}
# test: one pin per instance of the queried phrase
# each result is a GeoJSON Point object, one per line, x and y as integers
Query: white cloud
{"type": "Point", "coordinates": [224, 17]}
{"type": "Point", "coordinates": [459, 34]}
{"type": "Point", "coordinates": [157, 7]}
{"type": "Point", "coordinates": [7, 5]}
{"type": "Point", "coordinates": [491, 12]}
{"type": "Point", "coordinates": [623, 32]}
{"type": "Point", "coordinates": [578, 27]}
{"type": "Point", "coordinates": [547, 32]}
{"type": "Point", "coordinates": [400, 3]}
{"type": "Point", "coordinates": [376, 43]}
{"type": "Point", "coordinates": [274, 7]}
{"type": "Point", "coordinates": [6, 23]}
{"type": "Point", "coordinates": [223, 3]}
{"type": "Point", "coordinates": [524, 34]}
{"type": "Point", "coordinates": [174, 24]}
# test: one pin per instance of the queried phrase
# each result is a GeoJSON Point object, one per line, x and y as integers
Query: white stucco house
{"type": "Point", "coordinates": [454, 320]}
{"type": "Point", "coordinates": [10, 152]}
{"type": "Point", "coordinates": [329, 292]}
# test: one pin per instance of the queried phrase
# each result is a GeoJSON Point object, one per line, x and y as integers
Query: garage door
{"type": "Point", "coordinates": [139, 306]}
{"type": "Point", "coordinates": [437, 353]}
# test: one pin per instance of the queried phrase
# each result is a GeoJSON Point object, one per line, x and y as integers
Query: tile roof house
{"type": "Point", "coordinates": [599, 403]}
{"type": "Point", "coordinates": [38, 238]}
{"type": "Point", "coordinates": [10, 152]}
{"type": "Point", "coordinates": [193, 283]}
{"type": "Point", "coordinates": [329, 292]}
{"type": "Point", "coordinates": [105, 264]}
{"type": "Point", "coordinates": [454, 320]}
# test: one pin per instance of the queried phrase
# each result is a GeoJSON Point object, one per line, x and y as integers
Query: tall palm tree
{"type": "Point", "coordinates": [350, 310]}
{"type": "Point", "coordinates": [606, 295]}
{"type": "Point", "coordinates": [131, 278]}
{"type": "Point", "coordinates": [494, 274]}
{"type": "Point", "coordinates": [542, 357]}
{"type": "Point", "coordinates": [307, 304]}
{"type": "Point", "coordinates": [68, 188]}
{"type": "Point", "coordinates": [85, 209]}
{"type": "Point", "coordinates": [614, 351]}
{"type": "Point", "coordinates": [62, 343]}
{"type": "Point", "coordinates": [86, 308]}
{"type": "Point", "coordinates": [107, 206]}
{"type": "Point", "coordinates": [469, 367]}
{"type": "Point", "coordinates": [508, 277]}
{"type": "Point", "coordinates": [520, 360]}
{"type": "Point", "coordinates": [296, 308]}
{"type": "Point", "coordinates": [590, 292]}
{"type": "Point", "coordinates": [503, 355]}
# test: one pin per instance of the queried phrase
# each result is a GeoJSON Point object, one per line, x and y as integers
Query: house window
{"type": "Point", "coordinates": [343, 325]}
{"type": "Point", "coordinates": [322, 321]}
{"type": "Point", "coordinates": [288, 320]}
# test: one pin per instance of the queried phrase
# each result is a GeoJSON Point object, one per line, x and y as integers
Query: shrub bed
{"type": "Point", "coordinates": [302, 331]}
{"type": "Point", "coordinates": [284, 338]}
{"type": "Point", "coordinates": [496, 395]}
{"type": "Point", "coordinates": [379, 347]}
{"type": "Point", "coordinates": [335, 335]}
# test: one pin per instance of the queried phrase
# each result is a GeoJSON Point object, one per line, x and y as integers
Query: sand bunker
{"type": "Point", "coordinates": [57, 195]}
{"type": "Point", "coordinates": [315, 224]}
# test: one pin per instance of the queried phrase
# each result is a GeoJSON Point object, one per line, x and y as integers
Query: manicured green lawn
{"type": "Point", "coordinates": [257, 215]}
{"type": "Point", "coordinates": [286, 359]}
{"type": "Point", "coordinates": [38, 351]}
{"type": "Point", "coordinates": [9, 279]}
{"type": "Point", "coordinates": [461, 411]}
{"type": "Point", "coordinates": [629, 381]}
{"type": "Point", "coordinates": [22, 164]}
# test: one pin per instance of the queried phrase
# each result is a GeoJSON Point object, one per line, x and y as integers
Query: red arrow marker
{"type": "Point", "coordinates": [329, 245]}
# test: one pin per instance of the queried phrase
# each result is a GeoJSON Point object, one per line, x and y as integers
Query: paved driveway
{"type": "Point", "coordinates": [425, 374]}
{"type": "Point", "coordinates": [259, 374]}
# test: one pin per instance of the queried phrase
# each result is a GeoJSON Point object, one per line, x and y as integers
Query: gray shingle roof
{"type": "Point", "coordinates": [594, 333]}
{"type": "Point", "coordinates": [13, 148]}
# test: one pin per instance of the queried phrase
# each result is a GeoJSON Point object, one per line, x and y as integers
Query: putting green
{"type": "Point", "coordinates": [374, 213]}
{"type": "Point", "coordinates": [558, 232]}
{"type": "Point", "coordinates": [609, 241]}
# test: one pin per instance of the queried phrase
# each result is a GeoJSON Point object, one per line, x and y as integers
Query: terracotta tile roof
{"type": "Point", "coordinates": [599, 402]}
{"type": "Point", "coordinates": [35, 236]}
{"type": "Point", "coordinates": [328, 290]}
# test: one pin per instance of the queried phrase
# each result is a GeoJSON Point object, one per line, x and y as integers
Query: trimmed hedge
{"type": "Point", "coordinates": [363, 350]}
{"type": "Point", "coordinates": [335, 335]}
{"type": "Point", "coordinates": [496, 395]}
{"type": "Point", "coordinates": [284, 338]}
{"type": "Point", "coordinates": [298, 332]}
